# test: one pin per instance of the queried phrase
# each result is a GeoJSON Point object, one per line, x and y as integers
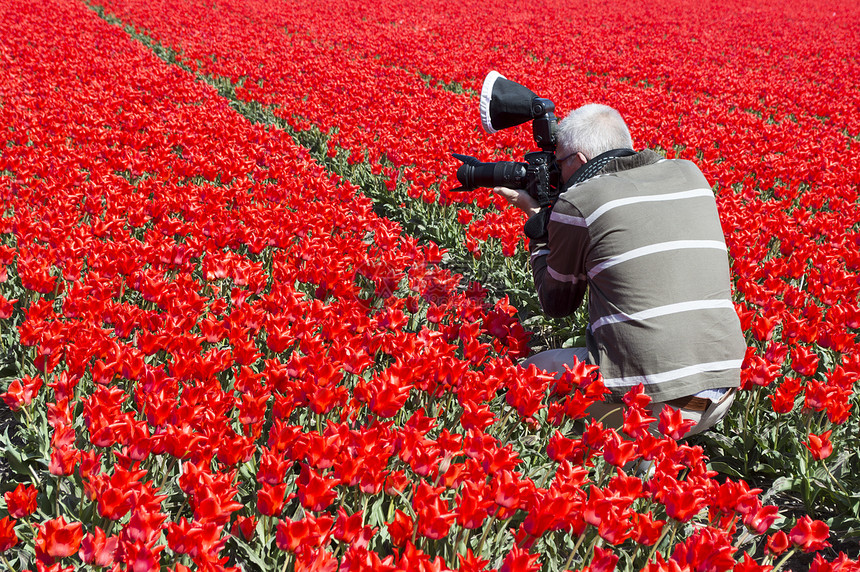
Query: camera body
{"type": "Point", "coordinates": [539, 175]}
{"type": "Point", "coordinates": [505, 104]}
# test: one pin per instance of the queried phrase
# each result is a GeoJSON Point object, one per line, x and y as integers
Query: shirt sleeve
{"type": "Point", "coordinates": [558, 261]}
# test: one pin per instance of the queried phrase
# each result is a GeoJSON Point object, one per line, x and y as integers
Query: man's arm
{"type": "Point", "coordinates": [558, 258]}
{"type": "Point", "coordinates": [558, 261]}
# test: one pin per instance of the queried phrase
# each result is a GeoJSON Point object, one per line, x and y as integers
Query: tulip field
{"type": "Point", "coordinates": [245, 323]}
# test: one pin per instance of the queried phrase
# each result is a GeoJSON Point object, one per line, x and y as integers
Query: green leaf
{"type": "Point", "coordinates": [10, 362]}
{"type": "Point", "coordinates": [248, 552]}
{"type": "Point", "coordinates": [20, 461]}
{"type": "Point", "coordinates": [765, 469]}
{"type": "Point", "coordinates": [726, 469]}
{"type": "Point", "coordinates": [780, 485]}
{"type": "Point", "coordinates": [376, 516]}
{"type": "Point", "coordinates": [714, 441]}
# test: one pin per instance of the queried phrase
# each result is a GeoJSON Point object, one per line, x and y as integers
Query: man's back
{"type": "Point", "coordinates": [645, 236]}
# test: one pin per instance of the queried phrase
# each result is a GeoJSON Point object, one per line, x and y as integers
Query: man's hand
{"type": "Point", "coordinates": [520, 199]}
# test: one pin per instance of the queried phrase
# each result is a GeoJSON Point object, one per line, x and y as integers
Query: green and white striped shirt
{"type": "Point", "coordinates": [644, 238]}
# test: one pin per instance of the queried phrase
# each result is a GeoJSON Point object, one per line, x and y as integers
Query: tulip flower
{"type": "Point", "coordinates": [57, 538]}
{"type": "Point", "coordinates": [521, 561]}
{"type": "Point", "coordinates": [21, 502]}
{"type": "Point", "coordinates": [778, 542]}
{"type": "Point", "coordinates": [8, 537]}
{"type": "Point", "coordinates": [819, 445]}
{"type": "Point", "coordinates": [673, 424]}
{"type": "Point", "coordinates": [97, 549]}
{"type": "Point", "coordinates": [809, 535]}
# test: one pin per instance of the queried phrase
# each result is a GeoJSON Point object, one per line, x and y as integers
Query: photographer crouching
{"type": "Point", "coordinates": [641, 234]}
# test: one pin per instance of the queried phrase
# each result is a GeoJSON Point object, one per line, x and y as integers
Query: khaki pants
{"type": "Point", "coordinates": [612, 413]}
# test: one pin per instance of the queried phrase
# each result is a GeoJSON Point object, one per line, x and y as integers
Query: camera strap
{"type": "Point", "coordinates": [535, 227]}
{"type": "Point", "coordinates": [596, 165]}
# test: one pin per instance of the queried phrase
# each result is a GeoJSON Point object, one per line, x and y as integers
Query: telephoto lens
{"type": "Point", "coordinates": [474, 174]}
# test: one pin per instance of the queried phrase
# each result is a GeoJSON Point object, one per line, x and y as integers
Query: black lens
{"type": "Point", "coordinates": [499, 174]}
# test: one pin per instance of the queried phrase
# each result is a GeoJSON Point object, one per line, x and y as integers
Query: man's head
{"type": "Point", "coordinates": [587, 132]}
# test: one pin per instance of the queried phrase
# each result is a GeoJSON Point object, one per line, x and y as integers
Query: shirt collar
{"type": "Point", "coordinates": [626, 159]}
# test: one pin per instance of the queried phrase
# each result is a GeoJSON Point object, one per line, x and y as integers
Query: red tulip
{"type": "Point", "coordinates": [270, 499]}
{"type": "Point", "coordinates": [308, 532]}
{"type": "Point", "coordinates": [97, 549]}
{"type": "Point", "coordinates": [314, 491]}
{"type": "Point", "coordinates": [809, 535]}
{"type": "Point", "coordinates": [820, 445]}
{"type": "Point", "coordinates": [778, 542]}
{"type": "Point", "coordinates": [21, 392]}
{"type": "Point", "coordinates": [672, 423]}
{"type": "Point", "coordinates": [21, 502]}
{"type": "Point", "coordinates": [57, 539]}
{"type": "Point", "coordinates": [8, 537]}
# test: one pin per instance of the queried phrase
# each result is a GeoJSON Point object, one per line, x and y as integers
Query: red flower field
{"type": "Point", "coordinates": [245, 325]}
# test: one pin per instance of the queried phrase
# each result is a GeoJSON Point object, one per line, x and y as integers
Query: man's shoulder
{"type": "Point", "coordinates": [643, 158]}
{"type": "Point", "coordinates": [611, 173]}
{"type": "Point", "coordinates": [646, 172]}
{"type": "Point", "coordinates": [646, 163]}
{"type": "Point", "coordinates": [601, 187]}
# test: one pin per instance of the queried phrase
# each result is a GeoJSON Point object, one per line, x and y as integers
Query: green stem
{"type": "Point", "coordinates": [465, 541]}
{"type": "Point", "coordinates": [167, 471]}
{"type": "Point", "coordinates": [784, 558]}
{"type": "Point", "coordinates": [662, 536]}
{"type": "Point", "coordinates": [576, 546]}
{"type": "Point", "coordinates": [265, 532]}
{"type": "Point", "coordinates": [414, 530]}
{"type": "Point", "coordinates": [57, 497]}
{"type": "Point", "coordinates": [545, 477]}
{"type": "Point", "coordinates": [502, 529]}
{"type": "Point", "coordinates": [29, 417]}
{"type": "Point", "coordinates": [487, 531]}
{"type": "Point", "coordinates": [390, 516]}
{"type": "Point", "coordinates": [672, 538]}
{"type": "Point", "coordinates": [286, 562]}
{"type": "Point", "coordinates": [755, 406]}
{"type": "Point", "coordinates": [838, 484]}
{"type": "Point", "coordinates": [9, 566]}
{"type": "Point", "coordinates": [505, 419]}
{"type": "Point", "coordinates": [605, 471]}
{"type": "Point", "coordinates": [507, 436]}
{"type": "Point", "coordinates": [108, 528]}
{"type": "Point", "coordinates": [594, 544]}
{"type": "Point", "coordinates": [448, 402]}
{"type": "Point", "coordinates": [460, 530]}
{"type": "Point", "coordinates": [820, 424]}
{"type": "Point", "coordinates": [746, 417]}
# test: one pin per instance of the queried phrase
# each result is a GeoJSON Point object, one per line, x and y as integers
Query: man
{"type": "Point", "coordinates": [642, 235]}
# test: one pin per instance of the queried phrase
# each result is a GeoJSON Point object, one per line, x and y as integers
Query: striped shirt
{"type": "Point", "coordinates": [643, 237]}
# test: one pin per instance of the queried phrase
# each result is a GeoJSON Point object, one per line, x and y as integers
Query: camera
{"type": "Point", "coordinates": [505, 104]}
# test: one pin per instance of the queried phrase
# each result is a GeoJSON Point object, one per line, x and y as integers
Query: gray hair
{"type": "Point", "coordinates": [591, 130]}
